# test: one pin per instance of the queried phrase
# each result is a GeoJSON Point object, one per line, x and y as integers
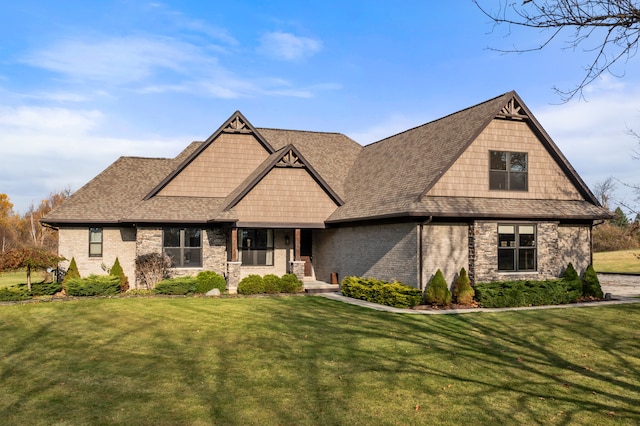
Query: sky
{"type": "Point", "coordinates": [85, 82]}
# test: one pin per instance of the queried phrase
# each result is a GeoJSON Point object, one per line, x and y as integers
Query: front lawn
{"type": "Point", "coordinates": [625, 261]}
{"type": "Point", "coordinates": [309, 360]}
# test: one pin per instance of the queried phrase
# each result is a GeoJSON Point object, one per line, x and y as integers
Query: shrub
{"type": "Point", "coordinates": [570, 274]}
{"type": "Point", "coordinates": [527, 293]}
{"type": "Point", "coordinates": [251, 284]}
{"type": "Point", "coordinates": [377, 291]}
{"type": "Point", "coordinates": [462, 291]}
{"type": "Point", "coordinates": [139, 292]}
{"type": "Point", "coordinates": [208, 280]}
{"type": "Point", "coordinates": [272, 284]}
{"type": "Point", "coordinates": [177, 286]}
{"type": "Point", "coordinates": [93, 285]}
{"type": "Point", "coordinates": [72, 272]}
{"type": "Point", "coordinates": [13, 294]}
{"type": "Point", "coordinates": [116, 271]}
{"type": "Point", "coordinates": [591, 284]}
{"type": "Point", "coordinates": [438, 293]}
{"type": "Point", "coordinates": [45, 289]}
{"type": "Point", "coordinates": [290, 283]}
{"type": "Point", "coordinates": [151, 268]}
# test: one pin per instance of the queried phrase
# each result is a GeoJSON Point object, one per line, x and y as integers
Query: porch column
{"type": "Point", "coordinates": [296, 245]}
{"type": "Point", "coordinates": [234, 244]}
{"type": "Point", "coordinates": [297, 265]}
{"type": "Point", "coordinates": [233, 266]}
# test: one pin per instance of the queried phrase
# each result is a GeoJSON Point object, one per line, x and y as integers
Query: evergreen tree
{"type": "Point", "coordinates": [621, 219]}
{"type": "Point", "coordinates": [116, 271]}
{"type": "Point", "coordinates": [72, 271]}
{"type": "Point", "coordinates": [438, 293]}
{"type": "Point", "coordinates": [462, 291]}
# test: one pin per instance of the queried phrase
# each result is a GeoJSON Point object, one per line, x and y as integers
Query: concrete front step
{"type": "Point", "coordinates": [315, 287]}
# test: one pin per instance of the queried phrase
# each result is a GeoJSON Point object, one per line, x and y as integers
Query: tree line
{"type": "Point", "coordinates": [25, 231]}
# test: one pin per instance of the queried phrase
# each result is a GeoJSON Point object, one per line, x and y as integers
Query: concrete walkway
{"type": "Point", "coordinates": [624, 289]}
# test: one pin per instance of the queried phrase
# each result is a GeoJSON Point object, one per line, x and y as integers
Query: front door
{"type": "Point", "coordinates": [306, 251]}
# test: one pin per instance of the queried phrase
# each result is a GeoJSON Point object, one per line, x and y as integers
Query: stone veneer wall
{"type": "Point", "coordinates": [386, 252]}
{"type": "Point", "coordinates": [484, 263]}
{"type": "Point", "coordinates": [444, 247]}
{"type": "Point", "coordinates": [214, 250]}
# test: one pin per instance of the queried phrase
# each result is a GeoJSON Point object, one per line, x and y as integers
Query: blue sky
{"type": "Point", "coordinates": [85, 82]}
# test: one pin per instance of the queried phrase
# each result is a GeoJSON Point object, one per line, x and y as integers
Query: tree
{"type": "Point", "coordinates": [614, 25]}
{"type": "Point", "coordinates": [621, 220]}
{"type": "Point", "coordinates": [39, 235]}
{"type": "Point", "coordinates": [604, 191]}
{"type": "Point", "coordinates": [7, 223]}
{"type": "Point", "coordinates": [28, 258]}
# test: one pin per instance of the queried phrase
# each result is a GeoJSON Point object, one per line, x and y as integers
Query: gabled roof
{"type": "Point", "coordinates": [237, 123]}
{"type": "Point", "coordinates": [389, 178]}
{"type": "Point", "coordinates": [288, 156]}
{"type": "Point", "coordinates": [392, 177]}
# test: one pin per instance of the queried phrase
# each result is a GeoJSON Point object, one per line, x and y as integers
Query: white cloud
{"type": "Point", "coordinates": [117, 60]}
{"type": "Point", "coordinates": [394, 124]}
{"type": "Point", "coordinates": [48, 149]}
{"type": "Point", "coordinates": [594, 136]}
{"type": "Point", "coordinates": [287, 46]}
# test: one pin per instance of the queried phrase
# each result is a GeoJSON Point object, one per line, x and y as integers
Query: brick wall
{"type": "Point", "coordinates": [574, 245]}
{"type": "Point", "coordinates": [386, 252]}
{"type": "Point", "coordinates": [117, 242]}
{"type": "Point", "coordinates": [445, 247]}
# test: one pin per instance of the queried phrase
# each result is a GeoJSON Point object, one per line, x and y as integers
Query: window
{"type": "Point", "coordinates": [255, 246]}
{"type": "Point", "coordinates": [508, 171]}
{"type": "Point", "coordinates": [95, 242]}
{"type": "Point", "coordinates": [516, 248]}
{"type": "Point", "coordinates": [183, 246]}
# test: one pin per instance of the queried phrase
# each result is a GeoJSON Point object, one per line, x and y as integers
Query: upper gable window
{"type": "Point", "coordinates": [508, 171]}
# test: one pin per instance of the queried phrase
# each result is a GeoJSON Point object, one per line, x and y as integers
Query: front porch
{"type": "Point", "coordinates": [312, 286]}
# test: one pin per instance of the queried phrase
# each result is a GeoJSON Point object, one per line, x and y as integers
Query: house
{"type": "Point", "coordinates": [484, 188]}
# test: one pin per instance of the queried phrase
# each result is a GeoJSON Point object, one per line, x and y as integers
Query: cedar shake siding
{"type": "Point", "coordinates": [397, 209]}
{"type": "Point", "coordinates": [286, 196]}
{"type": "Point", "coordinates": [219, 169]}
{"type": "Point", "coordinates": [469, 175]}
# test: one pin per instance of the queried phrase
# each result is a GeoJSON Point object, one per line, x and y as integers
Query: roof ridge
{"type": "Point", "coordinates": [443, 117]}
{"type": "Point", "coordinates": [301, 131]}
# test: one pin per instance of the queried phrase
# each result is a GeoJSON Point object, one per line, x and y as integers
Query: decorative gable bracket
{"type": "Point", "coordinates": [237, 125]}
{"type": "Point", "coordinates": [513, 111]}
{"type": "Point", "coordinates": [290, 159]}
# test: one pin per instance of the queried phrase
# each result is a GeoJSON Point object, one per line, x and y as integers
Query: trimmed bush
{"type": "Point", "coordinates": [72, 272]}
{"type": "Point", "coordinates": [93, 285]}
{"type": "Point", "coordinates": [462, 291]}
{"type": "Point", "coordinates": [252, 284]}
{"type": "Point", "coordinates": [208, 280]}
{"type": "Point", "coordinates": [177, 286]}
{"type": "Point", "coordinates": [373, 290]}
{"type": "Point", "coordinates": [290, 283]}
{"type": "Point", "coordinates": [527, 293]}
{"type": "Point", "coordinates": [13, 294]}
{"type": "Point", "coordinates": [570, 274]}
{"type": "Point", "coordinates": [272, 284]}
{"type": "Point", "coordinates": [116, 271]}
{"type": "Point", "coordinates": [591, 284]}
{"type": "Point", "coordinates": [438, 293]}
{"type": "Point", "coordinates": [45, 289]}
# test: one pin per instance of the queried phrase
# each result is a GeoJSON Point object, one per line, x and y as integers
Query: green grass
{"type": "Point", "coordinates": [8, 279]}
{"type": "Point", "coordinates": [309, 360]}
{"type": "Point", "coordinates": [617, 261]}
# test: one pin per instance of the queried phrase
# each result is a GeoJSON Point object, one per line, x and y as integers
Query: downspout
{"type": "Point", "coordinates": [593, 225]}
{"type": "Point", "coordinates": [421, 252]}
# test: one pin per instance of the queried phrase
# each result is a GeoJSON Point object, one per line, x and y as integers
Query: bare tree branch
{"type": "Point", "coordinates": [614, 24]}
